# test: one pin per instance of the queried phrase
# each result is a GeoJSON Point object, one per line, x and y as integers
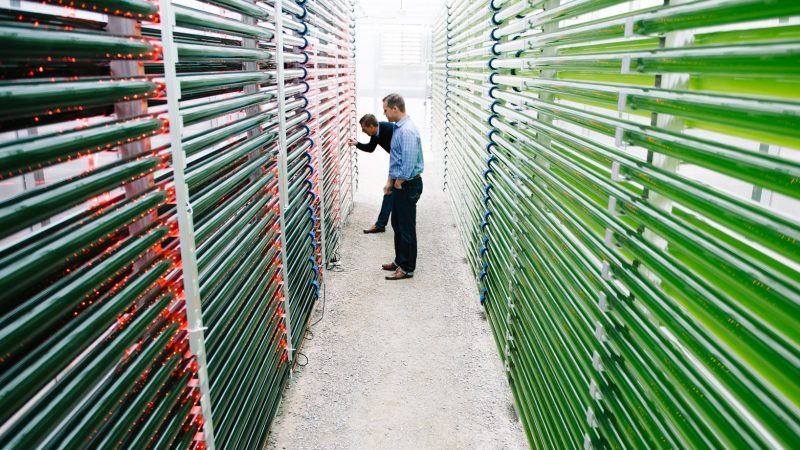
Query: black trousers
{"type": "Point", "coordinates": [404, 224]}
{"type": "Point", "coordinates": [386, 211]}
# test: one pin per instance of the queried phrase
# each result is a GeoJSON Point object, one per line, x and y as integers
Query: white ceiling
{"type": "Point", "coordinates": [410, 12]}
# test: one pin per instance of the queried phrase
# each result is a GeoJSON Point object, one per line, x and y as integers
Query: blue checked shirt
{"type": "Point", "coordinates": [405, 159]}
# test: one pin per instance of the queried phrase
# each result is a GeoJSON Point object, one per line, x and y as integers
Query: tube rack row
{"type": "Point", "coordinates": [161, 208]}
{"type": "Point", "coordinates": [636, 217]}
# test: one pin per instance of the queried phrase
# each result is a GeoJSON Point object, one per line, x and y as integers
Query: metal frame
{"type": "Point", "coordinates": [283, 189]}
{"type": "Point", "coordinates": [194, 315]}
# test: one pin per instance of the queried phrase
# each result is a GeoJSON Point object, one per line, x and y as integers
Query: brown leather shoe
{"type": "Point", "coordinates": [398, 275]}
{"type": "Point", "coordinates": [374, 229]}
{"type": "Point", "coordinates": [390, 267]}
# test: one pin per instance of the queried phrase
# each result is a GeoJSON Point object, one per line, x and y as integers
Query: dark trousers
{"type": "Point", "coordinates": [386, 211]}
{"type": "Point", "coordinates": [404, 224]}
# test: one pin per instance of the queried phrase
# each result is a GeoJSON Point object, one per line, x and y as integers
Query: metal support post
{"type": "Point", "coordinates": [314, 53]}
{"type": "Point", "coordinates": [191, 282]}
{"type": "Point", "coordinates": [283, 185]}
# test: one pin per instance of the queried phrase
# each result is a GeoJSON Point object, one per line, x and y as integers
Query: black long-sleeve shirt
{"type": "Point", "coordinates": [383, 138]}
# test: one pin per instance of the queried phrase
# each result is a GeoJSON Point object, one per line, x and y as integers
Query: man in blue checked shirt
{"type": "Point", "coordinates": [405, 183]}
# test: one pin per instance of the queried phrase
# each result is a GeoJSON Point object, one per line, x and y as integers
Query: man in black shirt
{"type": "Point", "coordinates": [380, 133]}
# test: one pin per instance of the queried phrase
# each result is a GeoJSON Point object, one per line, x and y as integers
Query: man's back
{"type": "Point", "coordinates": [383, 138]}
{"type": "Point", "coordinates": [385, 133]}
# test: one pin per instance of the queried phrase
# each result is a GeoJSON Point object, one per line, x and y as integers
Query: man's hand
{"type": "Point", "coordinates": [352, 142]}
{"type": "Point", "coordinates": [387, 188]}
{"type": "Point", "coordinates": [398, 183]}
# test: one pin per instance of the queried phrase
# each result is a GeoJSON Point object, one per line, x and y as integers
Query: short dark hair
{"type": "Point", "coordinates": [395, 100]}
{"type": "Point", "coordinates": [368, 120]}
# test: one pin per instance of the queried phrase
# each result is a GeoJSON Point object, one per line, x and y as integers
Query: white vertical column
{"type": "Point", "coordinates": [314, 109]}
{"type": "Point", "coordinates": [283, 183]}
{"type": "Point", "coordinates": [191, 284]}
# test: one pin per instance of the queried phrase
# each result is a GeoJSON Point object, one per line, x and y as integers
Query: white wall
{"type": "Point", "coordinates": [393, 39]}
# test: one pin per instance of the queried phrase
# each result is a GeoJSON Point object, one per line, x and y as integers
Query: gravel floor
{"type": "Point", "coordinates": [399, 364]}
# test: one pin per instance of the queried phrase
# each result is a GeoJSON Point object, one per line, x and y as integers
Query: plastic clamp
{"type": "Point", "coordinates": [605, 271]}
{"type": "Point", "coordinates": [619, 137]}
{"type": "Point", "coordinates": [602, 302]}
{"type": "Point", "coordinates": [591, 420]}
{"type": "Point", "coordinates": [600, 332]}
{"type": "Point", "coordinates": [597, 361]}
{"type": "Point", "coordinates": [594, 390]}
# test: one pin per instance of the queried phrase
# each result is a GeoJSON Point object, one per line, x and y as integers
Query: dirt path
{"type": "Point", "coordinates": [399, 364]}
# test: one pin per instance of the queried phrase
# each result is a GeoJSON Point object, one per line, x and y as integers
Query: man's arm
{"type": "Point", "coordinates": [369, 147]}
{"type": "Point", "coordinates": [387, 188]}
